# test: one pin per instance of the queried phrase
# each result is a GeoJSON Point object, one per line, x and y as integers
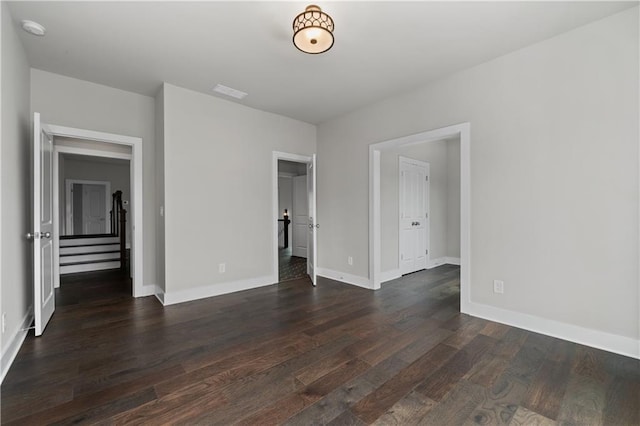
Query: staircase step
{"type": "Point", "coordinates": [93, 257]}
{"type": "Point", "coordinates": [88, 241]}
{"type": "Point", "coordinates": [86, 267]}
{"type": "Point", "coordinates": [98, 248]}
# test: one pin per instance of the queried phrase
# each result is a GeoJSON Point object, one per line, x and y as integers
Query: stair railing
{"type": "Point", "coordinates": [118, 219]}
{"type": "Point", "coordinates": [285, 227]}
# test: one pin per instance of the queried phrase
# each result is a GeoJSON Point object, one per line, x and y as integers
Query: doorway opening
{"type": "Point", "coordinates": [86, 206]}
{"type": "Point", "coordinates": [46, 215]}
{"type": "Point", "coordinates": [93, 204]}
{"type": "Point", "coordinates": [383, 264]}
{"type": "Point", "coordinates": [294, 206]}
{"type": "Point", "coordinates": [87, 157]}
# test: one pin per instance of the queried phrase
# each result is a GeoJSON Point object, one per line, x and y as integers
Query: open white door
{"type": "Point", "coordinates": [43, 285]}
{"type": "Point", "coordinates": [313, 225]}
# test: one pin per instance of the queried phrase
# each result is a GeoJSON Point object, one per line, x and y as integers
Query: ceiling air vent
{"type": "Point", "coordinates": [220, 88]}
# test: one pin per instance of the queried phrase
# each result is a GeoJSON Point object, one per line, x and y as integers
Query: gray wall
{"type": "Point", "coordinates": [453, 198]}
{"type": "Point", "coordinates": [444, 190]}
{"type": "Point", "coordinates": [225, 151]}
{"type": "Point", "coordinates": [88, 168]}
{"type": "Point", "coordinates": [15, 203]}
{"type": "Point", "coordinates": [554, 175]}
{"type": "Point", "coordinates": [70, 102]}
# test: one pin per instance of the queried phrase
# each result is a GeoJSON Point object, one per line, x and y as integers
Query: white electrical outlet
{"type": "Point", "coordinates": [498, 286]}
{"type": "Point", "coordinates": [222, 267]}
{"type": "Point", "coordinates": [350, 260]}
{"type": "Point", "coordinates": [4, 322]}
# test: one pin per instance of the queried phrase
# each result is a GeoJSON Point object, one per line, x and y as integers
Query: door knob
{"type": "Point", "coordinates": [45, 235]}
{"type": "Point", "coordinates": [31, 236]}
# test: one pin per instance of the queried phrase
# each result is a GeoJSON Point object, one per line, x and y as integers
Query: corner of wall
{"type": "Point", "coordinates": [15, 204]}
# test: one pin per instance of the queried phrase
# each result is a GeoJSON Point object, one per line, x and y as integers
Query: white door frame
{"type": "Point", "coordinates": [463, 131]}
{"type": "Point", "coordinates": [427, 243]}
{"type": "Point", "coordinates": [68, 184]}
{"type": "Point", "coordinates": [135, 213]}
{"type": "Point", "coordinates": [306, 159]}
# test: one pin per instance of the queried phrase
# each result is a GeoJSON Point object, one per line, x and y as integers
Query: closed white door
{"type": "Point", "coordinates": [94, 209]}
{"type": "Point", "coordinates": [42, 191]}
{"type": "Point", "coordinates": [313, 222]}
{"type": "Point", "coordinates": [300, 216]}
{"type": "Point", "coordinates": [414, 226]}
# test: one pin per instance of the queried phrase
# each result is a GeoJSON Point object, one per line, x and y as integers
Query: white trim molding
{"type": "Point", "coordinates": [15, 342]}
{"type": "Point", "coordinates": [445, 260]}
{"type": "Point", "coordinates": [345, 278]}
{"type": "Point", "coordinates": [390, 275]}
{"type": "Point", "coordinates": [148, 290]}
{"type": "Point", "coordinates": [463, 131]}
{"type": "Point", "coordinates": [275, 156]}
{"type": "Point", "coordinates": [597, 339]}
{"type": "Point", "coordinates": [136, 165]}
{"type": "Point", "coordinates": [202, 292]}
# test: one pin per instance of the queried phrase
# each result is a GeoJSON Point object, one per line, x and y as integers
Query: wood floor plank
{"type": "Point", "coordinates": [301, 355]}
{"type": "Point", "coordinates": [283, 409]}
{"type": "Point", "coordinates": [547, 390]}
{"type": "Point", "coordinates": [446, 377]}
{"type": "Point", "coordinates": [347, 418]}
{"type": "Point", "coordinates": [499, 402]}
{"type": "Point", "coordinates": [456, 407]}
{"type": "Point", "coordinates": [623, 402]}
{"type": "Point", "coordinates": [524, 417]}
{"type": "Point", "coordinates": [409, 410]}
{"type": "Point", "coordinates": [394, 389]}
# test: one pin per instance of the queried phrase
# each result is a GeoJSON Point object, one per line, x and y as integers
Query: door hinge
{"type": "Point", "coordinates": [426, 252]}
{"type": "Point", "coordinates": [426, 178]}
{"type": "Point", "coordinates": [426, 215]}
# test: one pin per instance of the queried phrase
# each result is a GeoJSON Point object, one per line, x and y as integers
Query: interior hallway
{"type": "Point", "coordinates": [290, 267]}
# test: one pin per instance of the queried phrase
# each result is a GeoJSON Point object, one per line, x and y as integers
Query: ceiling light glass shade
{"type": "Point", "coordinates": [313, 30]}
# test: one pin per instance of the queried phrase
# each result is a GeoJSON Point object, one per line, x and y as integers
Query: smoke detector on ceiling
{"type": "Point", "coordinates": [33, 28]}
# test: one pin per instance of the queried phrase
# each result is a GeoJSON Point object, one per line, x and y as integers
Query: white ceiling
{"type": "Point", "coordinates": [381, 48]}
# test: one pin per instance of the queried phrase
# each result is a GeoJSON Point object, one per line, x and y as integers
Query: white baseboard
{"type": "Point", "coordinates": [597, 339]}
{"type": "Point", "coordinates": [202, 292]}
{"type": "Point", "coordinates": [15, 342]}
{"type": "Point", "coordinates": [389, 275]}
{"type": "Point", "coordinates": [442, 261]}
{"type": "Point", "coordinates": [147, 290]}
{"type": "Point", "coordinates": [345, 278]}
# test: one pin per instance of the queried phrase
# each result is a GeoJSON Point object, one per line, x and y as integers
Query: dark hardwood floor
{"type": "Point", "coordinates": [294, 354]}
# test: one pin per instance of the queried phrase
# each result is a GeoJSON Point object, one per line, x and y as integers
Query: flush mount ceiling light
{"type": "Point", "coordinates": [33, 28]}
{"type": "Point", "coordinates": [313, 30]}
